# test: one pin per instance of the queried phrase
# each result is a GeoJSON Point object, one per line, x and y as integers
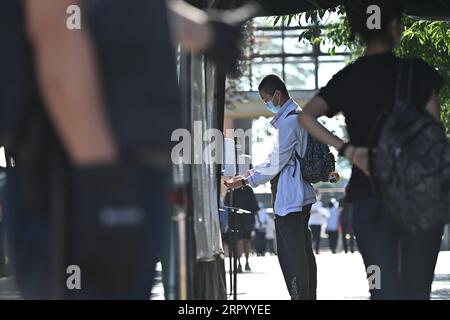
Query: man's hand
{"type": "Point", "coordinates": [235, 182]}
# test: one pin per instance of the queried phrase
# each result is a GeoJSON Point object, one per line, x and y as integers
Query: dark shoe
{"type": "Point", "coordinates": [239, 269]}
{"type": "Point", "coordinates": [247, 267]}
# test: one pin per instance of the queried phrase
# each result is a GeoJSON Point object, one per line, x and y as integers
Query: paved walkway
{"type": "Point", "coordinates": [340, 277]}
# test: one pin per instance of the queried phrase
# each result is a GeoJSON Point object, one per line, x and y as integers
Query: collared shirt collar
{"type": "Point", "coordinates": [284, 110]}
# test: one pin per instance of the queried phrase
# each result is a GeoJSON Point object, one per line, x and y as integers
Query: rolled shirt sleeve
{"type": "Point", "coordinates": [279, 156]}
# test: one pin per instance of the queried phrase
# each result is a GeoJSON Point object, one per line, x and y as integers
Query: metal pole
{"type": "Point", "coordinates": [184, 182]}
{"type": "Point", "coordinates": [230, 254]}
{"type": "Point", "coordinates": [235, 251]}
{"type": "Point", "coordinates": [235, 257]}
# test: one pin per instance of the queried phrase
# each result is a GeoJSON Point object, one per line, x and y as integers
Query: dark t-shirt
{"type": "Point", "coordinates": [365, 88]}
{"type": "Point", "coordinates": [137, 65]}
{"type": "Point", "coordinates": [17, 85]}
{"type": "Point", "coordinates": [138, 76]}
{"type": "Point", "coordinates": [138, 70]}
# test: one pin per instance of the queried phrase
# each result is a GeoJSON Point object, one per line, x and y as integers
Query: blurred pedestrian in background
{"type": "Point", "coordinates": [348, 236]}
{"type": "Point", "coordinates": [243, 198]}
{"type": "Point", "coordinates": [260, 230]}
{"type": "Point", "coordinates": [271, 245]}
{"type": "Point", "coordinates": [318, 218]}
{"type": "Point", "coordinates": [333, 225]}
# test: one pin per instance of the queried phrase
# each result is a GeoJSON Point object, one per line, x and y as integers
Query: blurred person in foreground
{"type": "Point", "coordinates": [93, 110]}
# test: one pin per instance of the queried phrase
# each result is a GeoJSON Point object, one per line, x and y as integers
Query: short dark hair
{"type": "Point", "coordinates": [271, 83]}
{"type": "Point", "coordinates": [357, 16]}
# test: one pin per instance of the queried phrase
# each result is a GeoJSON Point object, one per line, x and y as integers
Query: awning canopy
{"type": "Point", "coordinates": [425, 9]}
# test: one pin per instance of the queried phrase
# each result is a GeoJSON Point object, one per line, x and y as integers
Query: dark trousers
{"type": "Point", "coordinates": [406, 261]}
{"type": "Point", "coordinates": [2, 251]}
{"type": "Point", "coordinates": [260, 242]}
{"type": "Point", "coordinates": [333, 240]}
{"type": "Point", "coordinates": [113, 265]}
{"type": "Point", "coordinates": [348, 232]}
{"type": "Point", "coordinates": [316, 230]}
{"type": "Point", "coordinates": [295, 254]}
{"type": "Point", "coordinates": [270, 246]}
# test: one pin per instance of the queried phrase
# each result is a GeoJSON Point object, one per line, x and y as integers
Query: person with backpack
{"type": "Point", "coordinates": [362, 91]}
{"type": "Point", "coordinates": [293, 196]}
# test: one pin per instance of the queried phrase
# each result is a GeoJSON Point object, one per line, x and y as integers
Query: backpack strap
{"type": "Point", "coordinates": [274, 181]}
{"type": "Point", "coordinates": [292, 113]}
{"type": "Point", "coordinates": [403, 89]}
{"type": "Point", "coordinates": [297, 156]}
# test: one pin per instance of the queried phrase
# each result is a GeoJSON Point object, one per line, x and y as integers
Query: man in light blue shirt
{"type": "Point", "coordinates": [292, 195]}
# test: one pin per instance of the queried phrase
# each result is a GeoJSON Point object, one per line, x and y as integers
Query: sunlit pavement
{"type": "Point", "coordinates": [441, 284]}
{"type": "Point", "coordinates": [340, 277]}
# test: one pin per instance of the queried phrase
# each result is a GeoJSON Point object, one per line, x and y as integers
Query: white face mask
{"type": "Point", "coordinates": [271, 106]}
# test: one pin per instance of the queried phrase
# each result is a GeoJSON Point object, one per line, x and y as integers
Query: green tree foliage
{"type": "Point", "coordinates": [429, 40]}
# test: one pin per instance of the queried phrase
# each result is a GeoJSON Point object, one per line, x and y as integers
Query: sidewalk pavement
{"type": "Point", "coordinates": [340, 277]}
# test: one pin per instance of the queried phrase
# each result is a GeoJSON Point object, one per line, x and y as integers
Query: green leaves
{"type": "Point", "coordinates": [429, 40]}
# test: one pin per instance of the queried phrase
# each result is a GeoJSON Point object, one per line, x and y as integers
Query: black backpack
{"type": "Point", "coordinates": [316, 165]}
{"type": "Point", "coordinates": [410, 161]}
{"type": "Point", "coordinates": [318, 162]}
